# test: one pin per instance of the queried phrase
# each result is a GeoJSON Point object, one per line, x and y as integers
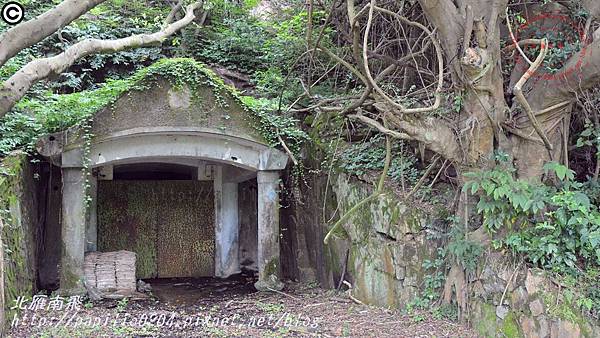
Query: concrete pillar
{"type": "Point", "coordinates": [226, 237]}
{"type": "Point", "coordinates": [268, 231]}
{"type": "Point", "coordinates": [73, 231]}
{"type": "Point", "coordinates": [217, 174]}
{"type": "Point", "coordinates": [91, 228]}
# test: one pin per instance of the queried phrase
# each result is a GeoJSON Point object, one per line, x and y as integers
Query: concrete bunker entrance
{"type": "Point", "coordinates": [160, 134]}
{"type": "Point", "coordinates": [160, 192]}
{"type": "Point", "coordinates": [161, 213]}
{"type": "Point", "coordinates": [167, 213]}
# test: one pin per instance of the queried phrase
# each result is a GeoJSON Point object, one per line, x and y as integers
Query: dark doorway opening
{"type": "Point", "coordinates": [154, 171]}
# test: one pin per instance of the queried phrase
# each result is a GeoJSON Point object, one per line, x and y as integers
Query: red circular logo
{"type": "Point", "coordinates": [566, 37]}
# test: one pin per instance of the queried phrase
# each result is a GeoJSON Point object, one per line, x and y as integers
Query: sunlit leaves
{"type": "Point", "coordinates": [553, 227]}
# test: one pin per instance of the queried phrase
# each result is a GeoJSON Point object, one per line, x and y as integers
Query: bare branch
{"type": "Point", "coordinates": [514, 40]}
{"type": "Point", "coordinates": [344, 63]}
{"type": "Point", "coordinates": [173, 12]}
{"type": "Point", "coordinates": [33, 31]}
{"type": "Point", "coordinates": [438, 49]}
{"type": "Point", "coordinates": [518, 91]}
{"type": "Point", "coordinates": [432, 133]}
{"type": "Point", "coordinates": [374, 124]}
{"type": "Point", "coordinates": [16, 86]}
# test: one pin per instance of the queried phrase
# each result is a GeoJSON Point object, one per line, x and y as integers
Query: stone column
{"type": "Point", "coordinates": [217, 175]}
{"type": "Point", "coordinates": [227, 235]}
{"type": "Point", "coordinates": [268, 231]}
{"type": "Point", "coordinates": [91, 228]}
{"type": "Point", "coordinates": [73, 231]}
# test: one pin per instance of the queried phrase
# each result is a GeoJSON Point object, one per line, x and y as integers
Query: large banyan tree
{"type": "Point", "coordinates": [467, 79]}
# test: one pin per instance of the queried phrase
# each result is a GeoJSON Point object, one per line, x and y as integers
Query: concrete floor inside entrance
{"type": "Point", "coordinates": [191, 291]}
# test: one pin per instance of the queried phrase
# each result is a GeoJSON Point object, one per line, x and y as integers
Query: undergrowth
{"type": "Point", "coordinates": [553, 226]}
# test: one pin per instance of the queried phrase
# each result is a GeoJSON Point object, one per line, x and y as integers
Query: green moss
{"type": "Point", "coordinates": [565, 310]}
{"type": "Point", "coordinates": [57, 112]}
{"type": "Point", "coordinates": [486, 324]}
{"type": "Point", "coordinates": [70, 282]}
{"type": "Point", "coordinates": [19, 277]}
{"type": "Point", "coordinates": [272, 267]}
{"type": "Point", "coordinates": [510, 326]}
{"type": "Point", "coordinates": [413, 222]}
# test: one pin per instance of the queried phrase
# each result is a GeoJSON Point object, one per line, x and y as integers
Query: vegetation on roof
{"type": "Point", "coordinates": [52, 112]}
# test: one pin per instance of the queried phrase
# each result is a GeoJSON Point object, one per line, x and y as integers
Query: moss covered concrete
{"type": "Point", "coordinates": [18, 210]}
{"type": "Point", "coordinates": [387, 246]}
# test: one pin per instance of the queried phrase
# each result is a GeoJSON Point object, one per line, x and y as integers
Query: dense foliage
{"type": "Point", "coordinates": [369, 155]}
{"type": "Point", "coordinates": [554, 226]}
{"type": "Point", "coordinates": [56, 112]}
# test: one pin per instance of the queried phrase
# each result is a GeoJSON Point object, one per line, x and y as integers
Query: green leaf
{"type": "Point", "coordinates": [474, 187]}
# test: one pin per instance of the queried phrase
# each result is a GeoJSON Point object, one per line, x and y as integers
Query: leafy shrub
{"type": "Point", "coordinates": [464, 251]}
{"type": "Point", "coordinates": [239, 45]}
{"type": "Point", "coordinates": [556, 228]}
{"type": "Point", "coordinates": [361, 158]}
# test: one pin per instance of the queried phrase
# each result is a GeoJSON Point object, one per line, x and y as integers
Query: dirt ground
{"type": "Point", "coordinates": [227, 308]}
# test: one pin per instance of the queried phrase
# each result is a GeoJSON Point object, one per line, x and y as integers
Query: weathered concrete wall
{"type": "Point", "coordinates": [386, 242]}
{"type": "Point", "coordinates": [19, 212]}
{"type": "Point", "coordinates": [527, 306]}
{"type": "Point", "coordinates": [387, 246]}
{"type": "Point", "coordinates": [304, 216]}
{"type": "Point", "coordinates": [163, 106]}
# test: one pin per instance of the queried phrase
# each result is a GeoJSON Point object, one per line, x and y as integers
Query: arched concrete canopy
{"type": "Point", "coordinates": [166, 124]}
{"type": "Point", "coordinates": [179, 145]}
{"type": "Point", "coordinates": [154, 144]}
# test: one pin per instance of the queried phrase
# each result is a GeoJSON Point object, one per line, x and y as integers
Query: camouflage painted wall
{"type": "Point", "coordinates": [168, 224]}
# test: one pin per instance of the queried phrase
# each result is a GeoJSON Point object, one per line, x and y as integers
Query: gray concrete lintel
{"type": "Point", "coordinates": [236, 151]}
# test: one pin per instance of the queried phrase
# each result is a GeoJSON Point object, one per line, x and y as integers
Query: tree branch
{"type": "Point", "coordinates": [13, 89]}
{"type": "Point", "coordinates": [438, 50]}
{"type": "Point", "coordinates": [518, 91]}
{"type": "Point", "coordinates": [33, 31]}
{"type": "Point", "coordinates": [581, 72]}
{"type": "Point", "coordinates": [434, 134]}
{"type": "Point", "coordinates": [176, 8]}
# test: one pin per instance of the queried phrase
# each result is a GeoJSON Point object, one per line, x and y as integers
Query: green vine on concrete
{"type": "Point", "coordinates": [379, 191]}
{"type": "Point", "coordinates": [54, 112]}
{"type": "Point", "coordinates": [87, 137]}
{"type": "Point", "coordinates": [18, 280]}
